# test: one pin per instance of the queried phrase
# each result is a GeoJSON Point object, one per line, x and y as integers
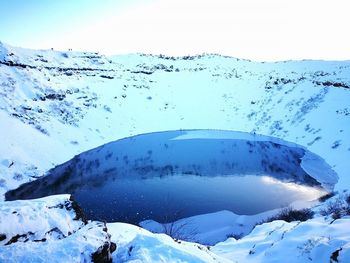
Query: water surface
{"type": "Point", "coordinates": [169, 198]}
{"type": "Point", "coordinates": [170, 175]}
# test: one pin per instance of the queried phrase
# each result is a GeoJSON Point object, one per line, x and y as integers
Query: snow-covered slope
{"type": "Point", "coordinates": [51, 228]}
{"type": "Point", "coordinates": [48, 230]}
{"type": "Point", "coordinates": [314, 240]}
{"type": "Point", "coordinates": [54, 105]}
{"type": "Point", "coordinates": [322, 239]}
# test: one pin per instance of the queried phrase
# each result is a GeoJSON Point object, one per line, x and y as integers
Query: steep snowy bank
{"type": "Point", "coordinates": [47, 228]}
{"type": "Point", "coordinates": [322, 239]}
{"type": "Point", "coordinates": [57, 104]}
{"type": "Point", "coordinates": [52, 227]}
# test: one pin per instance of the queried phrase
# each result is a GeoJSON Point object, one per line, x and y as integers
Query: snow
{"type": "Point", "coordinates": [280, 99]}
{"type": "Point", "coordinates": [314, 240]}
{"type": "Point", "coordinates": [54, 105]}
{"type": "Point", "coordinates": [138, 245]}
{"type": "Point", "coordinates": [47, 227]}
{"type": "Point", "coordinates": [319, 170]}
{"type": "Point", "coordinates": [74, 248]}
{"type": "Point", "coordinates": [38, 217]}
{"type": "Point", "coordinates": [210, 228]}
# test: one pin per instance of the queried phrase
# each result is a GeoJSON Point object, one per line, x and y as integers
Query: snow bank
{"type": "Point", "coordinates": [138, 245]}
{"type": "Point", "coordinates": [319, 170]}
{"type": "Point", "coordinates": [70, 102]}
{"type": "Point", "coordinates": [210, 228]}
{"type": "Point", "coordinates": [316, 240]}
{"type": "Point", "coordinates": [50, 227]}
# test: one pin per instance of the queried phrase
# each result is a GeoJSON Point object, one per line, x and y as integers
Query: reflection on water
{"type": "Point", "coordinates": [170, 175]}
{"type": "Point", "coordinates": [166, 199]}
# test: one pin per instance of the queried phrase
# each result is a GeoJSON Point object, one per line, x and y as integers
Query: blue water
{"type": "Point", "coordinates": [169, 198]}
{"type": "Point", "coordinates": [164, 177]}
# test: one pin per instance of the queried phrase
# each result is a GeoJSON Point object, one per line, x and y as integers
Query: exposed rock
{"type": "Point", "coordinates": [104, 253]}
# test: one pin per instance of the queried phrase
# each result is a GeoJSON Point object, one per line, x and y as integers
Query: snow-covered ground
{"type": "Point", "coordinates": [322, 239]}
{"type": "Point", "coordinates": [54, 105]}
{"type": "Point", "coordinates": [50, 229]}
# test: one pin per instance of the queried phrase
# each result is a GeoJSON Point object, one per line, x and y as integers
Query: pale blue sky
{"type": "Point", "coordinates": [28, 22]}
{"type": "Point", "coordinates": [253, 29]}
